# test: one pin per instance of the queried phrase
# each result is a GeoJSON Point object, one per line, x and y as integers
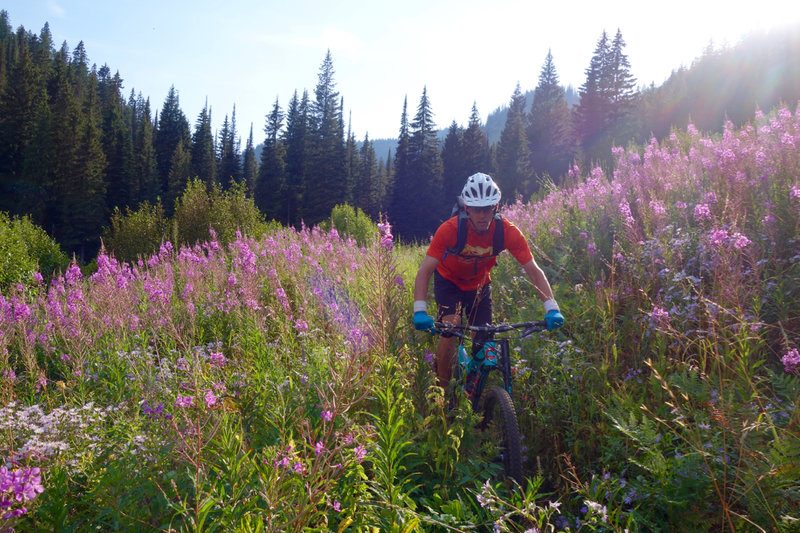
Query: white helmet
{"type": "Point", "coordinates": [480, 191]}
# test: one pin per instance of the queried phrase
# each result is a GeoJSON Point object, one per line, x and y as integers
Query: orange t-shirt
{"type": "Point", "coordinates": [470, 269]}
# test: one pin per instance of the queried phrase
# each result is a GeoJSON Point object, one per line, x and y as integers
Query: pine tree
{"type": "Point", "coordinates": [513, 152]}
{"type": "Point", "coordinates": [549, 127]}
{"type": "Point", "coordinates": [250, 164]}
{"type": "Point", "coordinates": [273, 196]}
{"type": "Point", "coordinates": [607, 99]}
{"type": "Point", "coordinates": [423, 194]}
{"type": "Point", "coordinates": [18, 107]}
{"type": "Point", "coordinates": [204, 163]}
{"type": "Point", "coordinates": [117, 141]}
{"type": "Point", "coordinates": [369, 190]}
{"type": "Point", "coordinates": [399, 175]}
{"type": "Point", "coordinates": [147, 185]}
{"type": "Point", "coordinates": [180, 175]}
{"type": "Point", "coordinates": [592, 113]}
{"type": "Point", "coordinates": [475, 146]}
{"type": "Point", "coordinates": [296, 140]}
{"type": "Point", "coordinates": [326, 167]}
{"type": "Point", "coordinates": [229, 167]}
{"type": "Point", "coordinates": [172, 129]}
{"type": "Point", "coordinates": [454, 172]}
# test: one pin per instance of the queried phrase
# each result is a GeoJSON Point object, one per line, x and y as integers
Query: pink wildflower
{"type": "Point", "coordinates": [740, 241]}
{"type": "Point", "coordinates": [211, 398]}
{"type": "Point", "coordinates": [791, 361]}
{"type": "Point", "coordinates": [702, 212]}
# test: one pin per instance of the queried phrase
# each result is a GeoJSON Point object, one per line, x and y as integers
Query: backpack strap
{"type": "Point", "coordinates": [498, 239]}
{"type": "Point", "coordinates": [461, 239]}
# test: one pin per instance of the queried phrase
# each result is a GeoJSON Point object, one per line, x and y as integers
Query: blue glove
{"type": "Point", "coordinates": [423, 321]}
{"type": "Point", "coordinates": [554, 319]}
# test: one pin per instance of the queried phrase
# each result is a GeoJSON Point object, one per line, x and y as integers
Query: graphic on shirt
{"type": "Point", "coordinates": [476, 250]}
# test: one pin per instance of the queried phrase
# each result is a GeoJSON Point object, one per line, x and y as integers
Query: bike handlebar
{"type": "Point", "coordinates": [529, 328]}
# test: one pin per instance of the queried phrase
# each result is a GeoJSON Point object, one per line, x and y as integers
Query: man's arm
{"type": "Point", "coordinates": [539, 280]}
{"type": "Point", "coordinates": [424, 277]}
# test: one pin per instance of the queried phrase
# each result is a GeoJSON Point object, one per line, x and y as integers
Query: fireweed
{"type": "Point", "coordinates": [243, 371]}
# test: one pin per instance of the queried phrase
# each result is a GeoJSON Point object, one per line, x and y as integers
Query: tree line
{"type": "Point", "coordinates": [73, 149]}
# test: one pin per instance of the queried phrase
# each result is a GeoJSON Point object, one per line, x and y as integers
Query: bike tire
{"type": "Point", "coordinates": [500, 418]}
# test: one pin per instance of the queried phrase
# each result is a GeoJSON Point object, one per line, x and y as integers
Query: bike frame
{"type": "Point", "coordinates": [503, 359]}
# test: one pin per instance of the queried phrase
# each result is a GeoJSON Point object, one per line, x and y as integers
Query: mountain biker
{"type": "Point", "coordinates": [461, 277]}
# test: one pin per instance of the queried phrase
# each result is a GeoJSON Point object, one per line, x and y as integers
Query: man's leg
{"type": "Point", "coordinates": [445, 350]}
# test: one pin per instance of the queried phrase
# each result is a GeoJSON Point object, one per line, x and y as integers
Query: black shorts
{"type": "Point", "coordinates": [451, 300]}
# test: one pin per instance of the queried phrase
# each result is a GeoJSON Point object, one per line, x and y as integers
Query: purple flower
{"type": "Point", "coordinates": [337, 506]}
{"type": "Point", "coordinates": [740, 241]}
{"type": "Point", "coordinates": [326, 416]}
{"type": "Point", "coordinates": [718, 236]}
{"type": "Point", "coordinates": [184, 401]}
{"type": "Point", "coordinates": [702, 212]}
{"type": "Point", "coordinates": [319, 447]}
{"type": "Point", "coordinates": [217, 359]}
{"type": "Point", "coordinates": [360, 452]}
{"type": "Point", "coordinates": [791, 361]}
{"type": "Point", "coordinates": [660, 316]}
{"type": "Point", "coordinates": [211, 398]}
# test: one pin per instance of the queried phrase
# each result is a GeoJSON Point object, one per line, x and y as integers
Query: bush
{"type": "Point", "coordinates": [136, 233]}
{"type": "Point", "coordinates": [25, 249]}
{"type": "Point", "coordinates": [227, 212]}
{"type": "Point", "coordinates": [353, 223]}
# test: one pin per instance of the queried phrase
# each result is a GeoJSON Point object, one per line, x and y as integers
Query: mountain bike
{"type": "Point", "coordinates": [499, 419]}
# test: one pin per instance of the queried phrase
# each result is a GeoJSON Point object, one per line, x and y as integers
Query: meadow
{"type": "Point", "coordinates": [276, 383]}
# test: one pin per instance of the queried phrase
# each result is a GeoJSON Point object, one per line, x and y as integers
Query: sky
{"type": "Point", "coordinates": [252, 53]}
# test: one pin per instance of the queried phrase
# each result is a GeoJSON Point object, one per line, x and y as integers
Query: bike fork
{"type": "Point", "coordinates": [505, 360]}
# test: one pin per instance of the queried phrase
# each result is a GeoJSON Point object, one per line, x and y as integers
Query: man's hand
{"type": "Point", "coordinates": [552, 315]}
{"type": "Point", "coordinates": [423, 321]}
{"type": "Point", "coordinates": [554, 319]}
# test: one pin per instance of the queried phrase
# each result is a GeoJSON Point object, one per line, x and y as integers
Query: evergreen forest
{"type": "Point", "coordinates": [77, 153]}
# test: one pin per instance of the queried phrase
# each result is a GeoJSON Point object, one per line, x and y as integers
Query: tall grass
{"type": "Point", "coordinates": [275, 384]}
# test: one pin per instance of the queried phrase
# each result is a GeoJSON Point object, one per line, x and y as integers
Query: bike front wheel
{"type": "Point", "coordinates": [500, 424]}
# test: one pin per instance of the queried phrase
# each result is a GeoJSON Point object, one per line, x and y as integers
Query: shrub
{"type": "Point", "coordinates": [227, 212]}
{"type": "Point", "coordinates": [136, 233]}
{"type": "Point", "coordinates": [25, 248]}
{"type": "Point", "coordinates": [352, 222]}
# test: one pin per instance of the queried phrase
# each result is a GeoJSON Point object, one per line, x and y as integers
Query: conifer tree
{"type": "Point", "coordinates": [172, 129]}
{"type": "Point", "coordinates": [607, 98]}
{"type": "Point", "coordinates": [180, 175]}
{"type": "Point", "coordinates": [204, 163]}
{"type": "Point", "coordinates": [368, 190]}
{"type": "Point", "coordinates": [230, 160]}
{"type": "Point", "coordinates": [400, 173]}
{"type": "Point", "coordinates": [549, 127]}
{"type": "Point", "coordinates": [513, 152]}
{"type": "Point", "coordinates": [296, 140]}
{"type": "Point", "coordinates": [146, 181]}
{"type": "Point", "coordinates": [326, 166]}
{"type": "Point", "coordinates": [351, 168]}
{"type": "Point", "coordinates": [592, 113]}
{"type": "Point", "coordinates": [475, 146]}
{"type": "Point", "coordinates": [249, 164]}
{"type": "Point", "coordinates": [422, 193]}
{"type": "Point", "coordinates": [454, 171]}
{"type": "Point", "coordinates": [117, 141]}
{"type": "Point", "coordinates": [18, 106]}
{"type": "Point", "coordinates": [272, 193]}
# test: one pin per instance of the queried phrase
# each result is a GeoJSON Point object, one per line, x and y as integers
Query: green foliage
{"type": "Point", "coordinates": [350, 222]}
{"type": "Point", "coordinates": [201, 209]}
{"type": "Point", "coordinates": [136, 233]}
{"type": "Point", "coordinates": [26, 249]}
